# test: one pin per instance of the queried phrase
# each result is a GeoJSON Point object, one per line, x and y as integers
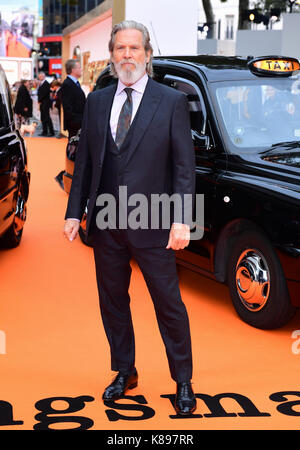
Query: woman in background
{"type": "Point", "coordinates": [23, 105]}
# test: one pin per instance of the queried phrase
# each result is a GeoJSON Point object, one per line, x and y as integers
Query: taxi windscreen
{"type": "Point", "coordinates": [260, 113]}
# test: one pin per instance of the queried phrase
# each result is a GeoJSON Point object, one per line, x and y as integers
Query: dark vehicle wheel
{"type": "Point", "coordinates": [13, 235]}
{"type": "Point", "coordinates": [256, 282]}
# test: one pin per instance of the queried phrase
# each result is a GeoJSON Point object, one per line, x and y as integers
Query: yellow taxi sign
{"type": "Point", "coordinates": [274, 66]}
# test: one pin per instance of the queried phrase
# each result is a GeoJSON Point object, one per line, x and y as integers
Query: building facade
{"type": "Point", "coordinates": [87, 38]}
{"type": "Point", "coordinates": [58, 14]}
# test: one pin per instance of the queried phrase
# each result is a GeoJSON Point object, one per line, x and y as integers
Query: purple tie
{"type": "Point", "coordinates": [124, 118]}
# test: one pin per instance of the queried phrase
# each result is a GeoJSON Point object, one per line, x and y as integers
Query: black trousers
{"type": "Point", "coordinates": [113, 252]}
{"type": "Point", "coordinates": [46, 120]}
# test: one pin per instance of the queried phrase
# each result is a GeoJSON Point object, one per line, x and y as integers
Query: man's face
{"type": "Point", "coordinates": [41, 76]}
{"type": "Point", "coordinates": [129, 56]}
{"type": "Point", "coordinates": [77, 71]}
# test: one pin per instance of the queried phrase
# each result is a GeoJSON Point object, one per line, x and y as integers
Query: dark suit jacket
{"type": "Point", "coordinates": [73, 101]}
{"type": "Point", "coordinates": [44, 100]}
{"type": "Point", "coordinates": [160, 158]}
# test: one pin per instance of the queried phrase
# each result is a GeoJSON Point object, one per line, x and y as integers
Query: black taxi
{"type": "Point", "coordinates": [14, 175]}
{"type": "Point", "coordinates": [245, 124]}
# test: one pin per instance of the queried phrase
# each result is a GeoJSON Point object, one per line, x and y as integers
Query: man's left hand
{"type": "Point", "coordinates": [179, 236]}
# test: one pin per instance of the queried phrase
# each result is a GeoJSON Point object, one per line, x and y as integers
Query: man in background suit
{"type": "Point", "coordinates": [73, 102]}
{"type": "Point", "coordinates": [45, 105]}
{"type": "Point", "coordinates": [136, 134]}
{"type": "Point", "coordinates": [73, 98]}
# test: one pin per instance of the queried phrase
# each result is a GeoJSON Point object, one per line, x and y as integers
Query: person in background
{"type": "Point", "coordinates": [73, 101]}
{"type": "Point", "coordinates": [73, 98]}
{"type": "Point", "coordinates": [45, 105]}
{"type": "Point", "coordinates": [14, 91]}
{"type": "Point", "coordinates": [23, 104]}
{"type": "Point", "coordinates": [56, 100]}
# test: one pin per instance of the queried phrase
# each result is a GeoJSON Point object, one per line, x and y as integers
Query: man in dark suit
{"type": "Point", "coordinates": [73, 102]}
{"type": "Point", "coordinates": [45, 105]}
{"type": "Point", "coordinates": [73, 98]}
{"type": "Point", "coordinates": [136, 135]}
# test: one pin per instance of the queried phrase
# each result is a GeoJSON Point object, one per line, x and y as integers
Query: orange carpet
{"type": "Point", "coordinates": [54, 356]}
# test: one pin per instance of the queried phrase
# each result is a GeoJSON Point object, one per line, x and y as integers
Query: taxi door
{"type": "Point", "coordinates": [210, 164]}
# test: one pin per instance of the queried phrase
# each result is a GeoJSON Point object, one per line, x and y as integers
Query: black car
{"type": "Point", "coordinates": [14, 176]}
{"type": "Point", "coordinates": [245, 124]}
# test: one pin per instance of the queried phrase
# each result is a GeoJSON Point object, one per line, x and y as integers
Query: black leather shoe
{"type": "Point", "coordinates": [185, 402]}
{"type": "Point", "coordinates": [119, 386]}
{"type": "Point", "coordinates": [60, 180]}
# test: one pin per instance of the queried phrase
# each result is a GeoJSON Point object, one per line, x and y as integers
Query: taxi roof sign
{"type": "Point", "coordinates": [274, 66]}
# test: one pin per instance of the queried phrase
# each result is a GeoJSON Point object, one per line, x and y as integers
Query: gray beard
{"type": "Point", "coordinates": [130, 76]}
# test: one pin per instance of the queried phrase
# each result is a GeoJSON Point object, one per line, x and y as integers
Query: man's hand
{"type": "Point", "coordinates": [71, 229]}
{"type": "Point", "coordinates": [179, 236]}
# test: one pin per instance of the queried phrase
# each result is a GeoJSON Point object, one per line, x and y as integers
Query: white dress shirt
{"type": "Point", "coordinates": [120, 98]}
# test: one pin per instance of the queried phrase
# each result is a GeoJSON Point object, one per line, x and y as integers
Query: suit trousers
{"type": "Point", "coordinates": [46, 120]}
{"type": "Point", "coordinates": [113, 252]}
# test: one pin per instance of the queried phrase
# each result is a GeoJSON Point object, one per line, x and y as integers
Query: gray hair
{"type": "Point", "coordinates": [70, 64]}
{"type": "Point", "coordinates": [132, 25]}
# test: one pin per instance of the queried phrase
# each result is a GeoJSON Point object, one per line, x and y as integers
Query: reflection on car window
{"type": "Point", "coordinates": [4, 101]}
{"type": "Point", "coordinates": [195, 108]}
{"type": "Point", "coordinates": [261, 113]}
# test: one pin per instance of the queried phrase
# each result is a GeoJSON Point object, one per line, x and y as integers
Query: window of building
{"type": "Point", "coordinates": [229, 34]}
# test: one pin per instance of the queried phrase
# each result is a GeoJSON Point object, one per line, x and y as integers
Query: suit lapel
{"type": "Point", "coordinates": [103, 117]}
{"type": "Point", "coordinates": [144, 115]}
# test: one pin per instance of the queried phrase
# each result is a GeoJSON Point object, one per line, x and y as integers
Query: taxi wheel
{"type": "Point", "coordinates": [256, 282]}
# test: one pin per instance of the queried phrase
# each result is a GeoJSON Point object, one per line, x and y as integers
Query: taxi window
{"type": "Point", "coordinates": [195, 101]}
{"type": "Point", "coordinates": [105, 80]}
{"type": "Point", "coordinates": [261, 113]}
{"type": "Point", "coordinates": [5, 103]}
